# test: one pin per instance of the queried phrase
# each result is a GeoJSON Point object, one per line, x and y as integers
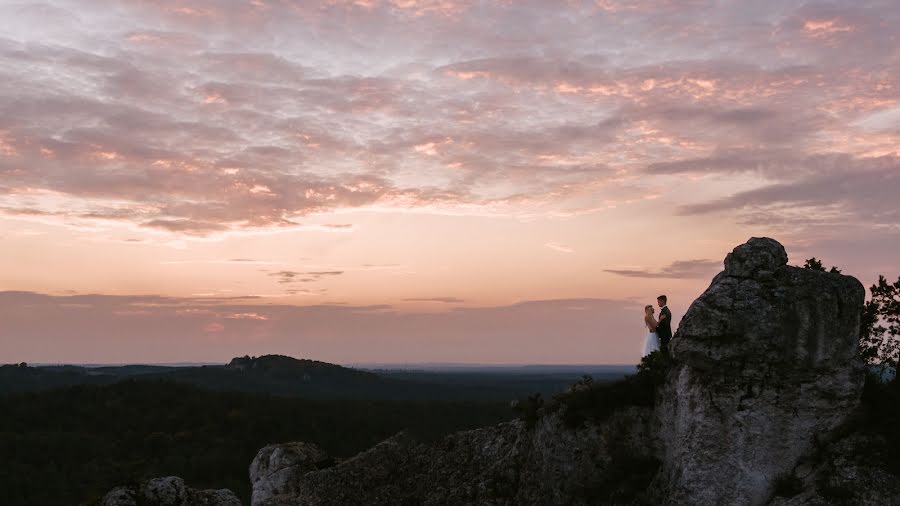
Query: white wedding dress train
{"type": "Point", "coordinates": [651, 344]}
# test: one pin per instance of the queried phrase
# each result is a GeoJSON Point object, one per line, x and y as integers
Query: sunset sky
{"type": "Point", "coordinates": [424, 180]}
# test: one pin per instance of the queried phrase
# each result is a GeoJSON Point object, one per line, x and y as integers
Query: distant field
{"type": "Point", "coordinates": [492, 382]}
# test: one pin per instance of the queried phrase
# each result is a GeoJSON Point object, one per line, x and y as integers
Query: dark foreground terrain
{"type": "Point", "coordinates": [71, 445]}
{"type": "Point", "coordinates": [68, 434]}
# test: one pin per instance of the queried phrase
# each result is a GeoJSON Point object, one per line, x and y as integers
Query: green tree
{"type": "Point", "coordinates": [880, 326]}
{"type": "Point", "coordinates": [816, 265]}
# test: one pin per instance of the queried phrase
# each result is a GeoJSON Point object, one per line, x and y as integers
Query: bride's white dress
{"type": "Point", "coordinates": [651, 343]}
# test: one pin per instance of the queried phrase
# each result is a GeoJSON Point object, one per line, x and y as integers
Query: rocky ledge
{"type": "Point", "coordinates": [168, 491]}
{"type": "Point", "coordinates": [510, 463]}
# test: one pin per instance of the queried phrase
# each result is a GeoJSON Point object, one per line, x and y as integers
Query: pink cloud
{"type": "Point", "coordinates": [213, 328]}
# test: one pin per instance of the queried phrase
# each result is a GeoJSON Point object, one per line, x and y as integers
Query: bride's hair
{"type": "Point", "coordinates": [648, 306]}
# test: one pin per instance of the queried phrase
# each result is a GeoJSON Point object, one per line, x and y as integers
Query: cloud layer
{"type": "Point", "coordinates": [199, 117]}
{"type": "Point", "coordinates": [676, 270]}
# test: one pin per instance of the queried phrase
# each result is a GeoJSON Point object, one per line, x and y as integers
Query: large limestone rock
{"type": "Point", "coordinates": [508, 464]}
{"type": "Point", "coordinates": [851, 470]}
{"type": "Point", "coordinates": [168, 491]}
{"type": "Point", "coordinates": [765, 367]}
{"type": "Point", "coordinates": [275, 469]}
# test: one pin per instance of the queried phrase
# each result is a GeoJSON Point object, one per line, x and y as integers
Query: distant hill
{"type": "Point", "coordinates": [312, 379]}
{"type": "Point", "coordinates": [22, 378]}
{"type": "Point", "coordinates": [287, 376]}
{"type": "Point", "coordinates": [288, 367]}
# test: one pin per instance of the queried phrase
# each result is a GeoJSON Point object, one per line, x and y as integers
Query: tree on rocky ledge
{"type": "Point", "coordinates": [879, 338]}
{"type": "Point", "coordinates": [816, 265]}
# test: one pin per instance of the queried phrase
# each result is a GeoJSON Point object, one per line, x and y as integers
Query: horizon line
{"type": "Point", "coordinates": [345, 364]}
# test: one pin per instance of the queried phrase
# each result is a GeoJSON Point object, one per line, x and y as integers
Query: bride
{"type": "Point", "coordinates": [651, 342]}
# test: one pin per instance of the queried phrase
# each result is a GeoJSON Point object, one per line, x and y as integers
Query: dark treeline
{"type": "Point", "coordinates": [72, 445]}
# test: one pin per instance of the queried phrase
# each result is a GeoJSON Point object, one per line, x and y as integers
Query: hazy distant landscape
{"type": "Point", "coordinates": [285, 376]}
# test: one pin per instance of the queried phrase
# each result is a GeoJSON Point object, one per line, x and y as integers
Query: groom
{"type": "Point", "coordinates": [664, 329]}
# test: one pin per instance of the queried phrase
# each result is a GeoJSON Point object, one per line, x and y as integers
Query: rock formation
{"type": "Point", "coordinates": [505, 464]}
{"type": "Point", "coordinates": [754, 399]}
{"type": "Point", "coordinates": [277, 469]}
{"type": "Point", "coordinates": [847, 471]}
{"type": "Point", "coordinates": [765, 368]}
{"type": "Point", "coordinates": [168, 491]}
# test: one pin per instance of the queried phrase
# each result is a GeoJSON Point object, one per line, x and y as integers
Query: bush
{"type": "Point", "coordinates": [530, 409]}
{"type": "Point", "coordinates": [589, 400]}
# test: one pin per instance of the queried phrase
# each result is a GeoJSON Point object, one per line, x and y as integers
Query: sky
{"type": "Point", "coordinates": [424, 180]}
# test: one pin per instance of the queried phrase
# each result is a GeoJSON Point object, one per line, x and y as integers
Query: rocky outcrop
{"type": "Point", "coordinates": [765, 368]}
{"type": "Point", "coordinates": [505, 464]}
{"type": "Point", "coordinates": [276, 469]}
{"type": "Point", "coordinates": [850, 470]}
{"type": "Point", "coordinates": [168, 491]}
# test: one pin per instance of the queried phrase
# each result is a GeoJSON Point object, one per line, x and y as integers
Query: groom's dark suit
{"type": "Point", "coordinates": [664, 329]}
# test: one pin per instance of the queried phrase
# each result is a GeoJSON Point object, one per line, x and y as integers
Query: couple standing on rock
{"type": "Point", "coordinates": [660, 331]}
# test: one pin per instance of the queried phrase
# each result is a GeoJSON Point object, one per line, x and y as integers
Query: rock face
{"type": "Point", "coordinates": [502, 465]}
{"type": "Point", "coordinates": [168, 491]}
{"type": "Point", "coordinates": [276, 468]}
{"type": "Point", "coordinates": [765, 367]}
{"type": "Point", "coordinates": [848, 471]}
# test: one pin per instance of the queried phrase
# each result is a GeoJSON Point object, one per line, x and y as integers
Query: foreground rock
{"type": "Point", "coordinates": [504, 464]}
{"type": "Point", "coordinates": [766, 368]}
{"type": "Point", "coordinates": [276, 469]}
{"type": "Point", "coordinates": [848, 471]}
{"type": "Point", "coordinates": [168, 491]}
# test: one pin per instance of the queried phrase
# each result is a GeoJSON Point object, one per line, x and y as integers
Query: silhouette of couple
{"type": "Point", "coordinates": [660, 330]}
